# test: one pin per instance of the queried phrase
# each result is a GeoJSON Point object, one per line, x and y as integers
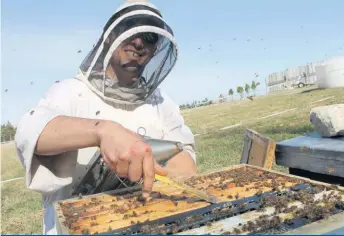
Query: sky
{"type": "Point", "coordinates": [222, 43]}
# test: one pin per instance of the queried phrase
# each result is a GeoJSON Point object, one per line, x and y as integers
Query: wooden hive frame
{"type": "Point", "coordinates": [258, 150]}
{"type": "Point", "coordinates": [331, 224]}
{"type": "Point", "coordinates": [60, 217]}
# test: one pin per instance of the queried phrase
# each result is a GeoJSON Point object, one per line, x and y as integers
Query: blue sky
{"type": "Point", "coordinates": [40, 40]}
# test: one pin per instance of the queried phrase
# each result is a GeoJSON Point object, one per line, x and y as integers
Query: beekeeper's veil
{"type": "Point", "coordinates": [134, 18]}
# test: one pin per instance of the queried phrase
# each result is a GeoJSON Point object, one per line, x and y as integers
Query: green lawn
{"type": "Point", "coordinates": [222, 148]}
{"type": "Point", "coordinates": [10, 164]}
{"type": "Point", "coordinates": [21, 208]}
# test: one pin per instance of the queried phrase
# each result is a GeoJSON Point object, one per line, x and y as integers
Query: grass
{"type": "Point", "coordinates": [223, 148]}
{"type": "Point", "coordinates": [211, 118]}
{"type": "Point", "coordinates": [10, 164]}
{"type": "Point", "coordinates": [21, 208]}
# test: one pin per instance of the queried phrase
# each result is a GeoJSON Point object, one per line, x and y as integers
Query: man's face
{"type": "Point", "coordinates": [130, 57]}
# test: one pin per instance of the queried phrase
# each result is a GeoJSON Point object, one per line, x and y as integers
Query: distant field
{"type": "Point", "coordinates": [21, 209]}
{"type": "Point", "coordinates": [223, 148]}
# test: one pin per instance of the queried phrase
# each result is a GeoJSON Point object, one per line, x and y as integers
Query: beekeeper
{"type": "Point", "coordinates": [115, 94]}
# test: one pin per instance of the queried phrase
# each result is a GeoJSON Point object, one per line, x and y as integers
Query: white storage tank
{"type": "Point", "coordinates": [276, 87]}
{"type": "Point", "coordinates": [290, 72]}
{"type": "Point", "coordinates": [285, 75]}
{"type": "Point", "coordinates": [302, 69]}
{"type": "Point", "coordinates": [331, 73]}
{"type": "Point", "coordinates": [312, 79]}
{"type": "Point", "coordinates": [295, 72]}
{"type": "Point", "coordinates": [315, 64]}
{"type": "Point", "coordinates": [307, 69]}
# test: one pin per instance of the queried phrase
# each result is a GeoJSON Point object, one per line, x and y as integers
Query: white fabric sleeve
{"type": "Point", "coordinates": [49, 173]}
{"type": "Point", "coordinates": [174, 126]}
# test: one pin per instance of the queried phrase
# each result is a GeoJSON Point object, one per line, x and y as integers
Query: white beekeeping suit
{"type": "Point", "coordinates": [91, 94]}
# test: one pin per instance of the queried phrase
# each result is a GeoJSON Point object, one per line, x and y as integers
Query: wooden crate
{"type": "Point", "coordinates": [102, 213]}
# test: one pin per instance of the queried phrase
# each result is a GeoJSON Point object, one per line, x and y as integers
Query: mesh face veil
{"type": "Point", "coordinates": [134, 54]}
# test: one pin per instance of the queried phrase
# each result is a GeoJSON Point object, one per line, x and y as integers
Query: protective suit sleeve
{"type": "Point", "coordinates": [174, 126]}
{"type": "Point", "coordinates": [49, 173]}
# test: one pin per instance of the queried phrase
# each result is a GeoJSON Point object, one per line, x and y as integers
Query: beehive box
{"type": "Point", "coordinates": [241, 190]}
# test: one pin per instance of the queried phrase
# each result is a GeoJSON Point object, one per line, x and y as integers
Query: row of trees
{"type": "Point", "coordinates": [247, 88]}
{"type": "Point", "coordinates": [204, 102]}
{"type": "Point", "coordinates": [222, 98]}
{"type": "Point", "coordinates": [8, 132]}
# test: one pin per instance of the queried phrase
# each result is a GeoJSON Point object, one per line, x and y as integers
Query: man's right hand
{"type": "Point", "coordinates": [128, 155]}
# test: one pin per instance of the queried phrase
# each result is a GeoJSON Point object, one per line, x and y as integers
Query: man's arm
{"type": "Point", "coordinates": [47, 174]}
{"type": "Point", "coordinates": [183, 164]}
{"type": "Point", "coordinates": [66, 133]}
{"type": "Point", "coordinates": [49, 136]}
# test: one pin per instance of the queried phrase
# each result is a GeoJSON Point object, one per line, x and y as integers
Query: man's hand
{"type": "Point", "coordinates": [128, 155]}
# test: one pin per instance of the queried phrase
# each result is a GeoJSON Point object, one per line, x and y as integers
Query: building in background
{"type": "Point", "coordinates": [292, 77]}
{"type": "Point", "coordinates": [331, 73]}
{"type": "Point", "coordinates": [325, 74]}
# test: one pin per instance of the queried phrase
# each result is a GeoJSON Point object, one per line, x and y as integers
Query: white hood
{"type": "Point", "coordinates": [132, 18]}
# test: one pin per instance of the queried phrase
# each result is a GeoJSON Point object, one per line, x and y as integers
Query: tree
{"type": "Point", "coordinates": [240, 91]}
{"type": "Point", "coordinates": [247, 89]}
{"type": "Point", "coordinates": [7, 132]}
{"type": "Point", "coordinates": [204, 102]}
{"type": "Point", "coordinates": [253, 87]}
{"type": "Point", "coordinates": [194, 104]}
{"type": "Point", "coordinates": [230, 93]}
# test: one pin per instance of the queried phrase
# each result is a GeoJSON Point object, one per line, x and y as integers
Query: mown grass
{"type": "Point", "coordinates": [208, 119]}
{"type": "Point", "coordinates": [10, 164]}
{"type": "Point", "coordinates": [21, 209]}
{"type": "Point", "coordinates": [223, 148]}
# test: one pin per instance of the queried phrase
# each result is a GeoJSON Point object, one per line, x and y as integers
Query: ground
{"type": "Point", "coordinates": [21, 209]}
